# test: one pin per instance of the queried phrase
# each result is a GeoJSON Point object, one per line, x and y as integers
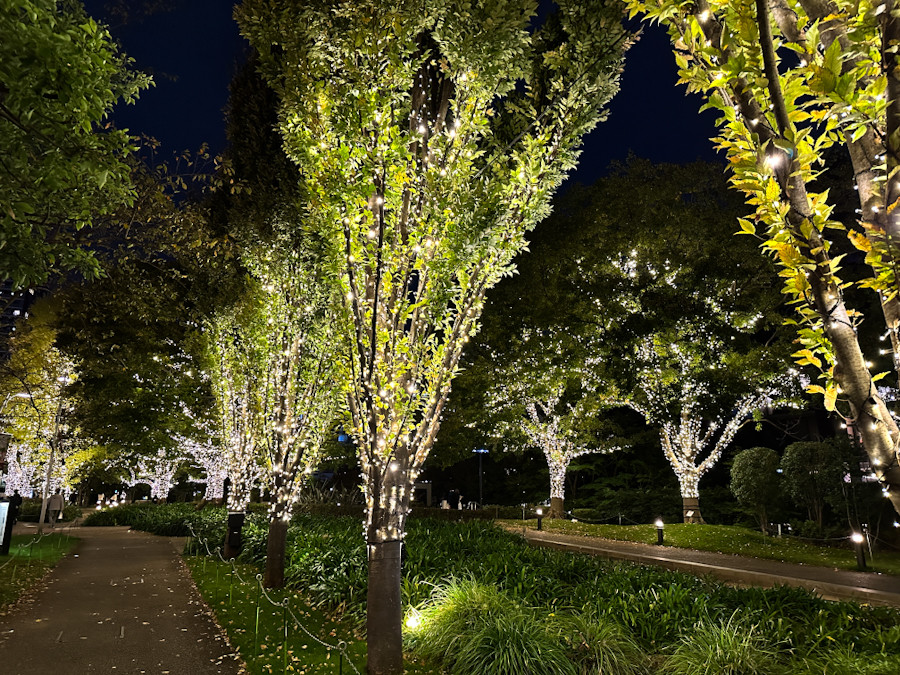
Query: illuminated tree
{"type": "Point", "coordinates": [211, 458]}
{"type": "Point", "coordinates": [423, 164]}
{"type": "Point", "coordinates": [666, 325]}
{"type": "Point", "coordinates": [792, 79]}
{"type": "Point", "coordinates": [275, 374]}
{"type": "Point", "coordinates": [62, 165]}
{"type": "Point", "coordinates": [35, 379]}
{"type": "Point", "coordinates": [550, 428]}
{"type": "Point", "coordinates": [679, 391]}
{"type": "Point", "coordinates": [158, 472]}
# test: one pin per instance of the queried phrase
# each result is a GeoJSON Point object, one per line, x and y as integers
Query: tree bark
{"type": "Point", "coordinates": [276, 544]}
{"type": "Point", "coordinates": [384, 634]}
{"type": "Point", "coordinates": [233, 537]}
{"type": "Point", "coordinates": [690, 508]}
{"type": "Point", "coordinates": [557, 509]}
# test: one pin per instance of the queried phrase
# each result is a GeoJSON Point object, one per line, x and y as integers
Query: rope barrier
{"type": "Point", "coordinates": [340, 647]}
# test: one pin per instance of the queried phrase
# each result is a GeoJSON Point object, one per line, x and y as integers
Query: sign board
{"type": "Point", "coordinates": [5, 528]}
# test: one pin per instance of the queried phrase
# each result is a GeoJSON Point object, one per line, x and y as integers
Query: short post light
{"type": "Point", "coordinates": [659, 532]}
{"type": "Point", "coordinates": [540, 517]}
{"type": "Point", "coordinates": [858, 540]}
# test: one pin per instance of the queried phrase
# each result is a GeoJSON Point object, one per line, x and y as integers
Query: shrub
{"type": "Point", "coordinates": [30, 511]}
{"type": "Point", "coordinates": [754, 481]}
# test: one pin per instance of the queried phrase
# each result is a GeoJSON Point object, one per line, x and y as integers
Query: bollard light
{"type": "Point", "coordinates": [540, 517]}
{"type": "Point", "coordinates": [858, 540]}
{"type": "Point", "coordinates": [659, 532]}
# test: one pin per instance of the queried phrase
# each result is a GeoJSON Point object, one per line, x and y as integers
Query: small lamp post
{"type": "Point", "coordinates": [659, 532]}
{"type": "Point", "coordinates": [857, 540]}
{"type": "Point", "coordinates": [540, 517]}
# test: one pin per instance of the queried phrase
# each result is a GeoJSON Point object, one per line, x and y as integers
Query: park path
{"type": "Point", "coordinates": [833, 584]}
{"type": "Point", "coordinates": [122, 602]}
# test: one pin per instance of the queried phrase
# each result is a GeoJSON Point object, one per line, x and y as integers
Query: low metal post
{"type": "Point", "coordinates": [284, 645]}
{"type": "Point", "coordinates": [258, 596]}
{"type": "Point", "coordinates": [857, 540]}
{"type": "Point", "coordinates": [659, 532]}
{"type": "Point", "coordinates": [540, 518]}
{"type": "Point", "coordinates": [230, 582]}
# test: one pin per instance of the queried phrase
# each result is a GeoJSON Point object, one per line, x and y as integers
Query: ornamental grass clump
{"type": "Point", "coordinates": [598, 646]}
{"type": "Point", "coordinates": [470, 628]}
{"type": "Point", "coordinates": [734, 647]}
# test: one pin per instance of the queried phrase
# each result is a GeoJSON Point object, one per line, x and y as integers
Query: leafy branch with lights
{"type": "Point", "coordinates": [791, 80]}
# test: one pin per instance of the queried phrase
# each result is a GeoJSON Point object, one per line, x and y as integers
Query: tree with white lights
{"type": "Point", "coordinates": [210, 456]}
{"type": "Point", "coordinates": [665, 325]}
{"type": "Point", "coordinates": [686, 386]}
{"type": "Point", "coordinates": [549, 426]}
{"type": "Point", "coordinates": [158, 472]}
{"type": "Point", "coordinates": [34, 380]}
{"type": "Point", "coordinates": [275, 372]}
{"type": "Point", "coordinates": [424, 164]}
{"type": "Point", "coordinates": [793, 78]}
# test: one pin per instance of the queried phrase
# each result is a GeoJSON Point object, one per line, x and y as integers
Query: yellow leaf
{"type": "Point", "coordinates": [830, 398]}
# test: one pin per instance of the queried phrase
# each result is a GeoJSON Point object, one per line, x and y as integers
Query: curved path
{"type": "Point", "coordinates": [833, 584]}
{"type": "Point", "coordinates": [122, 602]}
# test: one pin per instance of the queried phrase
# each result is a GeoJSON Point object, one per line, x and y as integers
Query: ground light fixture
{"type": "Point", "coordinates": [413, 620]}
{"type": "Point", "coordinates": [540, 517]}
{"type": "Point", "coordinates": [858, 540]}
{"type": "Point", "coordinates": [659, 531]}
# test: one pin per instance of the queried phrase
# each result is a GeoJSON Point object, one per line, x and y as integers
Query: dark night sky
{"type": "Point", "coordinates": [194, 49]}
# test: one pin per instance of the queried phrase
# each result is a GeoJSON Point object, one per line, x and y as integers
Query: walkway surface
{"type": "Point", "coordinates": [833, 584]}
{"type": "Point", "coordinates": [122, 602]}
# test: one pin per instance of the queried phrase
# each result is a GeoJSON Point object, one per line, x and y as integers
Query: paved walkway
{"type": "Point", "coordinates": [123, 602]}
{"type": "Point", "coordinates": [868, 587]}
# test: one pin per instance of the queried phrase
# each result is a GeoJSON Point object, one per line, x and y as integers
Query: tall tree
{"type": "Point", "coordinates": [276, 376]}
{"type": "Point", "coordinates": [34, 381]}
{"type": "Point", "coordinates": [793, 78]}
{"type": "Point", "coordinates": [424, 164]}
{"type": "Point", "coordinates": [61, 162]}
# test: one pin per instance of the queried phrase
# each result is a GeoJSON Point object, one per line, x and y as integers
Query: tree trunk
{"type": "Point", "coordinates": [384, 634]}
{"type": "Point", "coordinates": [690, 507]}
{"type": "Point", "coordinates": [556, 508]}
{"type": "Point", "coordinates": [233, 539]}
{"type": "Point", "coordinates": [276, 544]}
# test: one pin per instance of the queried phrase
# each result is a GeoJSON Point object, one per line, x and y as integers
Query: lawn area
{"type": "Point", "coordinates": [235, 600]}
{"type": "Point", "coordinates": [726, 539]}
{"type": "Point", "coordinates": [28, 562]}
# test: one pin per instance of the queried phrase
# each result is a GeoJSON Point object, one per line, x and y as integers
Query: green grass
{"type": "Point", "coordinates": [27, 564]}
{"type": "Point", "coordinates": [234, 599]}
{"type": "Point", "coordinates": [726, 539]}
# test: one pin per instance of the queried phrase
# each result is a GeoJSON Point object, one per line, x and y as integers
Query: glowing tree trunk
{"type": "Point", "coordinates": [543, 428]}
{"type": "Point", "coordinates": [780, 113]}
{"type": "Point", "coordinates": [22, 470]}
{"type": "Point", "coordinates": [236, 415]}
{"type": "Point", "coordinates": [159, 473]}
{"type": "Point", "coordinates": [212, 459]}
